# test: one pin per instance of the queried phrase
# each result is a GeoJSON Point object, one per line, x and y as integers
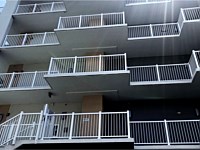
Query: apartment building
{"type": "Point", "coordinates": [100, 74]}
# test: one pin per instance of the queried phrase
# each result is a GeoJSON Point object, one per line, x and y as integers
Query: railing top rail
{"type": "Point", "coordinates": [195, 120]}
{"type": "Point", "coordinates": [139, 26]}
{"type": "Point", "coordinates": [89, 113]}
{"type": "Point", "coordinates": [181, 64]}
{"type": "Point", "coordinates": [39, 4]}
{"type": "Point", "coordinates": [30, 34]}
{"type": "Point", "coordinates": [90, 56]}
{"type": "Point", "coordinates": [191, 8]}
{"type": "Point", "coordinates": [23, 72]}
{"type": "Point", "coordinates": [164, 121]}
{"type": "Point", "coordinates": [147, 121]}
{"type": "Point", "coordinates": [31, 114]}
{"type": "Point", "coordinates": [92, 15]}
{"type": "Point", "coordinates": [147, 66]}
{"type": "Point", "coordinates": [160, 24]}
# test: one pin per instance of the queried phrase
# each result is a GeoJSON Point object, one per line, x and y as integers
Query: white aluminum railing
{"type": "Point", "coordinates": [86, 125]}
{"type": "Point", "coordinates": [25, 80]}
{"type": "Point", "coordinates": [153, 31]}
{"type": "Point", "coordinates": [91, 21]}
{"type": "Point", "coordinates": [34, 39]}
{"type": "Point", "coordinates": [191, 14]}
{"type": "Point", "coordinates": [24, 126]}
{"type": "Point", "coordinates": [88, 64]}
{"type": "Point", "coordinates": [166, 29]}
{"type": "Point", "coordinates": [40, 8]}
{"type": "Point", "coordinates": [176, 132]}
{"type": "Point", "coordinates": [141, 2]}
{"type": "Point", "coordinates": [166, 74]}
{"type": "Point", "coordinates": [160, 74]}
{"type": "Point", "coordinates": [40, 126]}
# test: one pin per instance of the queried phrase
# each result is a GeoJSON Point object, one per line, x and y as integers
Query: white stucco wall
{"type": "Point", "coordinates": [36, 67]}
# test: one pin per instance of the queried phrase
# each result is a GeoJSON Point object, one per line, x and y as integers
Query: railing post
{"type": "Point", "coordinates": [158, 72]}
{"type": "Point", "coordinates": [5, 40]}
{"type": "Point", "coordinates": [124, 18]}
{"type": "Point", "coordinates": [50, 65]}
{"type": "Point", "coordinates": [125, 61]}
{"type": "Point", "coordinates": [52, 6]}
{"type": "Point", "coordinates": [17, 9]}
{"type": "Point", "coordinates": [34, 79]}
{"type": "Point", "coordinates": [32, 131]}
{"type": "Point", "coordinates": [128, 124]}
{"type": "Point", "coordinates": [71, 126]}
{"type": "Point", "coordinates": [151, 29]}
{"type": "Point", "coordinates": [167, 133]}
{"type": "Point", "coordinates": [44, 126]}
{"type": "Point", "coordinates": [34, 8]}
{"type": "Point", "coordinates": [39, 127]}
{"type": "Point", "coordinates": [101, 19]}
{"type": "Point", "coordinates": [99, 127]}
{"type": "Point", "coordinates": [59, 22]}
{"type": "Point", "coordinates": [11, 80]}
{"type": "Point", "coordinates": [17, 129]}
{"type": "Point", "coordinates": [80, 21]}
{"type": "Point", "coordinates": [24, 40]}
{"type": "Point", "coordinates": [45, 34]}
{"type": "Point", "coordinates": [195, 58]}
{"type": "Point", "coordinates": [74, 70]}
{"type": "Point", "coordinates": [100, 57]}
{"type": "Point", "coordinates": [182, 12]}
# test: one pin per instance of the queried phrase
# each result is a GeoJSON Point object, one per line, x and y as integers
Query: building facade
{"type": "Point", "coordinates": [100, 72]}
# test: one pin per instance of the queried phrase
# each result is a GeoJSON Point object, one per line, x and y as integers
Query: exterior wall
{"type": "Point", "coordinates": [36, 67]}
{"type": "Point", "coordinates": [6, 18]}
{"type": "Point", "coordinates": [55, 107]}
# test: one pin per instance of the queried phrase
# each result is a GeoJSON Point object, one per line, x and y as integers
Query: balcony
{"type": "Point", "coordinates": [33, 17]}
{"type": "Point", "coordinates": [166, 133]}
{"type": "Point", "coordinates": [69, 128]}
{"type": "Point", "coordinates": [23, 81]}
{"type": "Point", "coordinates": [40, 8]}
{"type": "Point", "coordinates": [153, 31]}
{"type": "Point", "coordinates": [85, 73]}
{"type": "Point", "coordinates": [98, 127]}
{"type": "Point", "coordinates": [27, 47]}
{"type": "Point", "coordinates": [142, 2]}
{"type": "Point", "coordinates": [35, 39]}
{"type": "Point", "coordinates": [166, 74]}
{"type": "Point", "coordinates": [92, 30]}
{"type": "Point", "coordinates": [23, 87]}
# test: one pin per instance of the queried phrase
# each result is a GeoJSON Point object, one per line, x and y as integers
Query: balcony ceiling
{"type": "Point", "coordinates": [113, 86]}
{"type": "Point", "coordinates": [157, 13]}
{"type": "Point", "coordinates": [36, 22]}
